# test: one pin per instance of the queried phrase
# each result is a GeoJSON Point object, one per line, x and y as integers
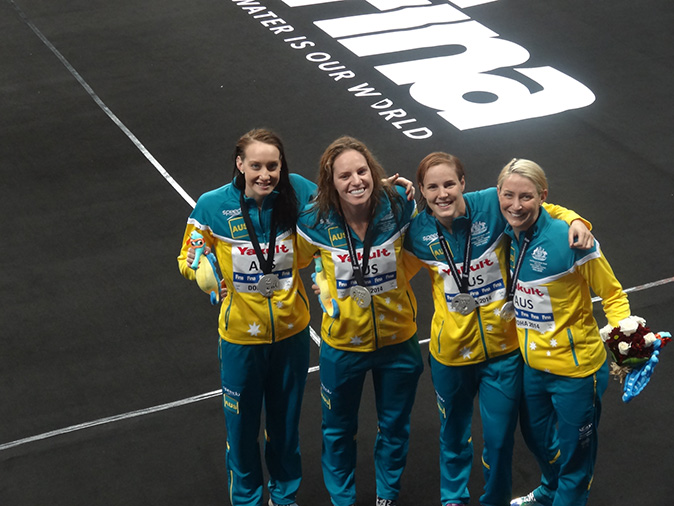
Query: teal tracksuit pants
{"type": "Point", "coordinates": [272, 375]}
{"type": "Point", "coordinates": [498, 383]}
{"type": "Point", "coordinates": [559, 422]}
{"type": "Point", "coordinates": [395, 373]}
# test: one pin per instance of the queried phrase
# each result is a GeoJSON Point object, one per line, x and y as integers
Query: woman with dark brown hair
{"type": "Point", "coordinates": [263, 326]}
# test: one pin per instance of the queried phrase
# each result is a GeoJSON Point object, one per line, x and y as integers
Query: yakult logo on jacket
{"type": "Point", "coordinates": [482, 264]}
{"type": "Point", "coordinates": [246, 251]}
{"type": "Point", "coordinates": [375, 253]}
{"type": "Point", "coordinates": [474, 268]}
{"type": "Point", "coordinates": [530, 291]}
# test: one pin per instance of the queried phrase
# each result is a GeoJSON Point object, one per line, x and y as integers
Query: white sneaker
{"type": "Point", "coordinates": [386, 502]}
{"type": "Point", "coordinates": [525, 500]}
{"type": "Point", "coordinates": [272, 503]}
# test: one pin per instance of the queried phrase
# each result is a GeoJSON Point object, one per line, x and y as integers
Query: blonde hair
{"type": "Point", "coordinates": [525, 168]}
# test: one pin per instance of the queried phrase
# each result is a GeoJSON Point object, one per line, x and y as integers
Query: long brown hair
{"type": "Point", "coordinates": [327, 198]}
{"type": "Point", "coordinates": [285, 205]}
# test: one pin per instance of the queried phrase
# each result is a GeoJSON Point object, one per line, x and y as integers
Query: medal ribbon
{"type": "Point", "coordinates": [265, 263]}
{"type": "Point", "coordinates": [367, 244]}
{"type": "Point", "coordinates": [511, 283]}
{"type": "Point", "coordinates": [462, 281]}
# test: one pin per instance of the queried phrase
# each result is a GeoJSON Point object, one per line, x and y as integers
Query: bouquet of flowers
{"type": "Point", "coordinates": [635, 351]}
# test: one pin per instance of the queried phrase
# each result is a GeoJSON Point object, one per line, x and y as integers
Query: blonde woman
{"type": "Point", "coordinates": [565, 361]}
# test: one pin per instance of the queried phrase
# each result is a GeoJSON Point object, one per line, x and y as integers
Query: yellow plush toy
{"type": "Point", "coordinates": [328, 304]}
{"type": "Point", "coordinates": [207, 274]}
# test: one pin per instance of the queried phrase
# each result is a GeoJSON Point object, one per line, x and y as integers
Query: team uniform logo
{"type": "Point", "coordinates": [247, 271]}
{"type": "Point", "coordinates": [231, 404]}
{"type": "Point", "coordinates": [485, 283]}
{"type": "Point", "coordinates": [533, 308]}
{"type": "Point", "coordinates": [381, 274]}
{"type": "Point", "coordinates": [337, 237]}
{"type": "Point", "coordinates": [479, 233]}
{"type": "Point", "coordinates": [237, 228]}
{"type": "Point", "coordinates": [537, 262]}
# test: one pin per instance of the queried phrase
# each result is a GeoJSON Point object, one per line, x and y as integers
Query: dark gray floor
{"type": "Point", "coordinates": [97, 321]}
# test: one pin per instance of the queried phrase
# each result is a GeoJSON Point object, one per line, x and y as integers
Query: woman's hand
{"type": "Point", "coordinates": [404, 182]}
{"type": "Point", "coordinates": [580, 236]}
{"type": "Point", "coordinates": [191, 254]}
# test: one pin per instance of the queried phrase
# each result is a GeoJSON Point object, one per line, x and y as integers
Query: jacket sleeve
{"type": "Point", "coordinates": [564, 214]}
{"type": "Point", "coordinates": [305, 249]}
{"type": "Point", "coordinates": [411, 264]}
{"type": "Point", "coordinates": [599, 275]}
{"type": "Point", "coordinates": [304, 189]}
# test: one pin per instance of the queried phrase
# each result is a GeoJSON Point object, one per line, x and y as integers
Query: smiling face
{"type": "Point", "coordinates": [352, 179]}
{"type": "Point", "coordinates": [261, 169]}
{"type": "Point", "coordinates": [520, 202]}
{"type": "Point", "coordinates": [443, 190]}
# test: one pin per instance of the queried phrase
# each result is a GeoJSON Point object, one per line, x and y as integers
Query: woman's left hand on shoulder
{"type": "Point", "coordinates": [404, 182]}
{"type": "Point", "coordinates": [580, 236]}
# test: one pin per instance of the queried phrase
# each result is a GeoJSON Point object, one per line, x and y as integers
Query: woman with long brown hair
{"type": "Point", "coordinates": [263, 325]}
{"type": "Point", "coordinates": [357, 224]}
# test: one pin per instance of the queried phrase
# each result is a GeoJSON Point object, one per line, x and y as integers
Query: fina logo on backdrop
{"type": "Point", "coordinates": [459, 86]}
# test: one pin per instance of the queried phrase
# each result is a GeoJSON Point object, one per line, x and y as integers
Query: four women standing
{"type": "Point", "coordinates": [357, 225]}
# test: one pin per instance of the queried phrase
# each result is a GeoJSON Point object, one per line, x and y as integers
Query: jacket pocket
{"type": "Point", "coordinates": [572, 346]}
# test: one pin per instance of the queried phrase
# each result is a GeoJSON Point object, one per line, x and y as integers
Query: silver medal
{"type": "Point", "coordinates": [464, 303]}
{"type": "Point", "coordinates": [361, 295]}
{"type": "Point", "coordinates": [268, 284]}
{"type": "Point", "coordinates": [508, 311]}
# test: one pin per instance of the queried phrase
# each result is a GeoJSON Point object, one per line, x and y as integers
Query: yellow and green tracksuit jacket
{"type": "Point", "coordinates": [456, 339]}
{"type": "Point", "coordinates": [391, 316]}
{"type": "Point", "coordinates": [247, 317]}
{"type": "Point", "coordinates": [556, 328]}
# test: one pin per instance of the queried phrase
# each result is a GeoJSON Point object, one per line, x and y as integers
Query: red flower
{"type": "Point", "coordinates": [639, 350]}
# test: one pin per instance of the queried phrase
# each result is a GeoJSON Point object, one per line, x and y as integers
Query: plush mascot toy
{"type": "Point", "coordinates": [205, 264]}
